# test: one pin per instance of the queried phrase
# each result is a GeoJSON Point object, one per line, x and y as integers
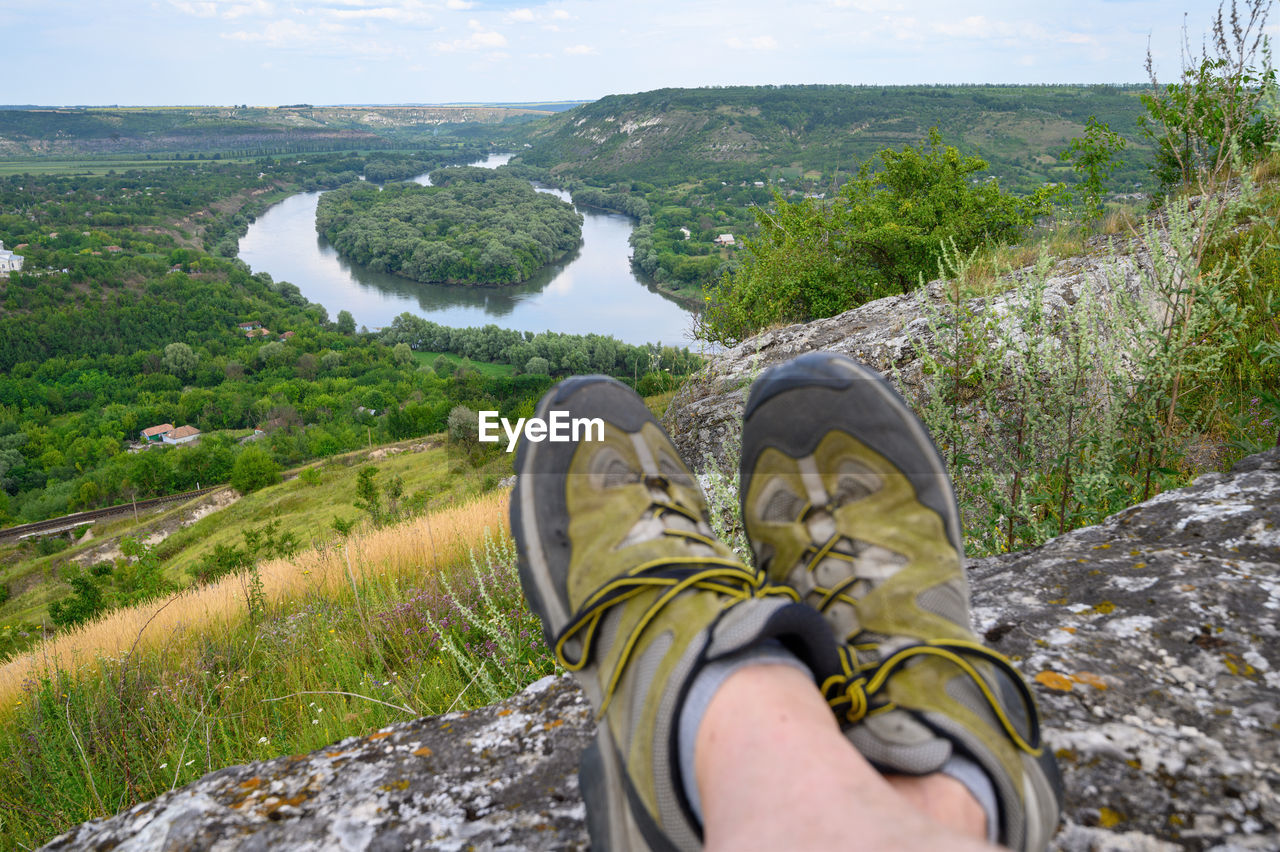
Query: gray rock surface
{"type": "Point", "coordinates": [1152, 641]}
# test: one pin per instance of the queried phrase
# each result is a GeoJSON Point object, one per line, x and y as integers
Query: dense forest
{"type": "Point", "coordinates": [546, 352]}
{"type": "Point", "coordinates": [121, 319]}
{"type": "Point", "coordinates": [473, 226]}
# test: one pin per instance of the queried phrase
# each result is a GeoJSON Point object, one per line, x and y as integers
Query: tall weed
{"type": "Point", "coordinates": [1054, 412]}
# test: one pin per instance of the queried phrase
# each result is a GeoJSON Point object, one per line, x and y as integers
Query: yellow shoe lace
{"type": "Point", "coordinates": [672, 574]}
{"type": "Point", "coordinates": [852, 694]}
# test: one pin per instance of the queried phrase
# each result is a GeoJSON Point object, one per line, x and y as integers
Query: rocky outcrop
{"type": "Point", "coordinates": [504, 777]}
{"type": "Point", "coordinates": [704, 416]}
{"type": "Point", "coordinates": [1152, 642]}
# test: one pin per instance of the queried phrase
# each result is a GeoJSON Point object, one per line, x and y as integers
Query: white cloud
{"type": "Point", "coordinates": [480, 39]}
{"type": "Point", "coordinates": [199, 9]}
{"type": "Point", "coordinates": [458, 5]}
{"type": "Point", "coordinates": [408, 13]}
{"type": "Point", "coordinates": [521, 15]}
{"type": "Point", "coordinates": [276, 34]}
{"type": "Point", "coordinates": [257, 7]}
{"type": "Point", "coordinates": [561, 15]}
{"type": "Point", "coordinates": [982, 27]}
{"type": "Point", "coordinates": [581, 50]}
{"type": "Point", "coordinates": [766, 42]}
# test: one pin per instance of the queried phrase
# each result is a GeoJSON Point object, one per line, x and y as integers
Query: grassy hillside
{"type": "Point", "coordinates": [183, 538]}
{"type": "Point", "coordinates": [809, 134]}
{"type": "Point", "coordinates": [335, 642]}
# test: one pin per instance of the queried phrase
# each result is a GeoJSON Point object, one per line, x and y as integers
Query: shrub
{"type": "Point", "coordinates": [254, 468]}
{"type": "Point", "coordinates": [881, 235]}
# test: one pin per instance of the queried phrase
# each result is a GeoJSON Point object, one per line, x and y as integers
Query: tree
{"type": "Point", "coordinates": [883, 233]}
{"type": "Point", "coordinates": [1094, 160]}
{"type": "Point", "coordinates": [254, 468]}
{"type": "Point", "coordinates": [179, 359]}
{"type": "Point", "coordinates": [346, 323]}
{"type": "Point", "coordinates": [1215, 113]}
{"type": "Point", "coordinates": [368, 497]}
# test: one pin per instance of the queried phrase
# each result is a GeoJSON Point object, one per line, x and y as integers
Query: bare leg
{"type": "Point", "coordinates": [774, 772]}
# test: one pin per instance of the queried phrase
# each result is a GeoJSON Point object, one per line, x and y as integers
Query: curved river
{"type": "Point", "coordinates": [593, 290]}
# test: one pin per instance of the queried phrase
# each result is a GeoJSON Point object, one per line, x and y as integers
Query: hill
{"type": "Point", "coordinates": [249, 130]}
{"type": "Point", "coordinates": [812, 133]}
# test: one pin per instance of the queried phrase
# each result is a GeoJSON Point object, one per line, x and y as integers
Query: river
{"type": "Point", "coordinates": [593, 290]}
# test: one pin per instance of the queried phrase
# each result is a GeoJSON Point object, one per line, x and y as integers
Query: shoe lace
{"type": "Point", "coordinates": [852, 694]}
{"type": "Point", "coordinates": [819, 552]}
{"type": "Point", "coordinates": [673, 575]}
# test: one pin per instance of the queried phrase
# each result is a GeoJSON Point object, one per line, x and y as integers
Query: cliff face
{"type": "Point", "coordinates": [1152, 641]}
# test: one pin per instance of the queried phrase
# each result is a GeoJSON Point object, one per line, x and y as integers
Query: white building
{"type": "Point", "coordinates": [9, 262]}
{"type": "Point", "coordinates": [181, 435]}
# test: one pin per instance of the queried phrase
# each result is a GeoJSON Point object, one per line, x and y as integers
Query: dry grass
{"type": "Point", "coordinates": [1267, 169]}
{"type": "Point", "coordinates": [419, 545]}
{"type": "Point", "coordinates": [1123, 220]}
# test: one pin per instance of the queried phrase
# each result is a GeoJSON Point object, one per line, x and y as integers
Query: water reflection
{"type": "Point", "coordinates": [592, 290]}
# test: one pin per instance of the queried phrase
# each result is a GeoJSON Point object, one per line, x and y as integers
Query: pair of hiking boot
{"type": "Point", "coordinates": [859, 574]}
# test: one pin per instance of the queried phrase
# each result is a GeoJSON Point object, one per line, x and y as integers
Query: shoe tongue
{"type": "Point", "coordinates": [656, 522]}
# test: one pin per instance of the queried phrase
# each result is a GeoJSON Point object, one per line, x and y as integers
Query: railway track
{"type": "Point", "coordinates": [68, 522]}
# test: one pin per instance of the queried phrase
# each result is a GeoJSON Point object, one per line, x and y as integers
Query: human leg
{"type": "Point", "coordinates": [846, 501]}
{"type": "Point", "coordinates": [637, 599]}
{"type": "Point", "coordinates": [775, 772]}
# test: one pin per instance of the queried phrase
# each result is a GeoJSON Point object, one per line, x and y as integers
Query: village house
{"type": "Point", "coordinates": [155, 434]}
{"type": "Point", "coordinates": [724, 240]}
{"type": "Point", "coordinates": [9, 262]}
{"type": "Point", "coordinates": [181, 435]}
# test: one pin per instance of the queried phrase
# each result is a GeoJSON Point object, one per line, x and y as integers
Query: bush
{"type": "Point", "coordinates": [883, 234]}
{"type": "Point", "coordinates": [84, 603]}
{"type": "Point", "coordinates": [1216, 112]}
{"type": "Point", "coordinates": [254, 469]}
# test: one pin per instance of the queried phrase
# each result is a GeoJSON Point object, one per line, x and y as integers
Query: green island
{"type": "Point", "coordinates": [472, 226]}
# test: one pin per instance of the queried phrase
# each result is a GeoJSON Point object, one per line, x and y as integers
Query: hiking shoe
{"type": "Point", "coordinates": [845, 500]}
{"type": "Point", "coordinates": [635, 594]}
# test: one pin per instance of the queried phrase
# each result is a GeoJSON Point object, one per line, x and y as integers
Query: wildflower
{"type": "Point", "coordinates": [164, 766]}
{"type": "Point", "coordinates": [315, 721]}
{"type": "Point", "coordinates": [262, 740]}
{"type": "Point", "coordinates": [189, 762]}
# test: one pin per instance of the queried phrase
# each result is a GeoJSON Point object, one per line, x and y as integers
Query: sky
{"type": "Point", "coordinates": [271, 52]}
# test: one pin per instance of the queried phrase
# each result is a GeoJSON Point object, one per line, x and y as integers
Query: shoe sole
{"type": "Point", "coordinates": [856, 400]}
